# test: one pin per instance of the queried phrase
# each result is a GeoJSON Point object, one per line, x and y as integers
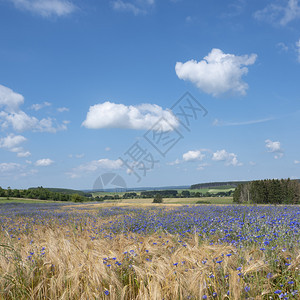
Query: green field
{"type": "Point", "coordinates": [22, 200]}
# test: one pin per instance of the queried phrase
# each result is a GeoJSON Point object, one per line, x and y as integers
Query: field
{"type": "Point", "coordinates": [130, 251]}
{"type": "Point", "coordinates": [205, 200]}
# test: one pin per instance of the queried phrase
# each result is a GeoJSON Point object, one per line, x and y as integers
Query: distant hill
{"type": "Point", "coordinates": [220, 185]}
{"type": "Point", "coordinates": [160, 188]}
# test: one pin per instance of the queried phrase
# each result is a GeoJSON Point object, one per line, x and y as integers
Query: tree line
{"type": "Point", "coordinates": [272, 191]}
{"type": "Point", "coordinates": [43, 194]}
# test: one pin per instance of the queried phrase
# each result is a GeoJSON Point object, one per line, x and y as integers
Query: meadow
{"type": "Point", "coordinates": [147, 251]}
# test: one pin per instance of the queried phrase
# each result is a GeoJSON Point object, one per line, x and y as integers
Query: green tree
{"type": "Point", "coordinates": [77, 198]}
{"type": "Point", "coordinates": [158, 199]}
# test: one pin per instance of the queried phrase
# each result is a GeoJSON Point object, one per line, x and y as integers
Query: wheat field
{"type": "Point", "coordinates": [92, 252]}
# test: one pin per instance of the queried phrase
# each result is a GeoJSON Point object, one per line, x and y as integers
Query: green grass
{"type": "Point", "coordinates": [21, 200]}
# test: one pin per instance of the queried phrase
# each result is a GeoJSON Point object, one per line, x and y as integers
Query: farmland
{"type": "Point", "coordinates": [146, 251]}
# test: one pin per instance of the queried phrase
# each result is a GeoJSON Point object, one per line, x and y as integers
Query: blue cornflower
{"type": "Point", "coordinates": [204, 297]}
{"type": "Point", "coordinates": [106, 292]}
{"type": "Point", "coordinates": [277, 292]}
{"type": "Point", "coordinates": [290, 282]}
{"type": "Point", "coordinates": [214, 294]}
{"type": "Point", "coordinates": [247, 289]}
{"type": "Point", "coordinates": [269, 275]}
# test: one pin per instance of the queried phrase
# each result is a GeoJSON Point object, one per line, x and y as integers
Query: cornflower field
{"type": "Point", "coordinates": [55, 251]}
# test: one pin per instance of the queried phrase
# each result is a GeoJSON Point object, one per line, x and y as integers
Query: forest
{"type": "Point", "coordinates": [271, 191]}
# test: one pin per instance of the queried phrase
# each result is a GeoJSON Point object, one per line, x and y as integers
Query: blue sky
{"type": "Point", "coordinates": [82, 82]}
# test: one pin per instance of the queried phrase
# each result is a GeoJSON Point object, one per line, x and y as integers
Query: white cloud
{"type": "Point", "coordinates": [144, 116]}
{"type": "Point", "coordinates": [9, 99]}
{"type": "Point", "coordinates": [296, 162]}
{"type": "Point", "coordinates": [218, 122]}
{"type": "Point", "coordinates": [229, 158]}
{"type": "Point", "coordinates": [24, 154]}
{"type": "Point", "coordinates": [174, 163]}
{"type": "Point", "coordinates": [95, 165]}
{"type": "Point", "coordinates": [11, 141]}
{"type": "Point", "coordinates": [202, 166]}
{"type": "Point", "coordinates": [282, 46]}
{"type": "Point", "coordinates": [9, 167]}
{"type": "Point", "coordinates": [46, 8]}
{"type": "Point", "coordinates": [274, 147]}
{"type": "Point", "coordinates": [193, 155]}
{"type": "Point", "coordinates": [279, 13]}
{"type": "Point", "coordinates": [217, 73]}
{"type": "Point", "coordinates": [62, 109]}
{"type": "Point", "coordinates": [12, 116]}
{"type": "Point", "coordinates": [298, 50]}
{"type": "Point", "coordinates": [137, 7]}
{"type": "Point", "coordinates": [44, 162]}
{"type": "Point", "coordinates": [39, 106]}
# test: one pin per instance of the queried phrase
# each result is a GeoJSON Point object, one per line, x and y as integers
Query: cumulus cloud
{"type": "Point", "coordinates": [280, 12]}
{"type": "Point", "coordinates": [46, 8]}
{"type": "Point", "coordinates": [12, 116]}
{"type": "Point", "coordinates": [44, 162]}
{"type": "Point", "coordinates": [137, 7]}
{"type": "Point", "coordinates": [9, 99]}
{"type": "Point", "coordinates": [229, 158]}
{"type": "Point", "coordinates": [11, 141]}
{"type": "Point", "coordinates": [144, 116]}
{"type": "Point", "coordinates": [95, 165]}
{"type": "Point", "coordinates": [274, 147]}
{"type": "Point", "coordinates": [193, 155]}
{"type": "Point", "coordinates": [217, 73]}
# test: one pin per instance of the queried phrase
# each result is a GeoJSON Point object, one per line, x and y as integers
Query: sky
{"type": "Point", "coordinates": [155, 92]}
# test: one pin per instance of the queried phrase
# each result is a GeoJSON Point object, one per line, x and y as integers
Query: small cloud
{"type": "Point", "coordinates": [107, 149]}
{"type": "Point", "coordinates": [46, 8]}
{"type": "Point", "coordinates": [201, 167]}
{"type": "Point", "coordinates": [44, 162]}
{"type": "Point", "coordinates": [229, 158]}
{"type": "Point", "coordinates": [144, 116]}
{"type": "Point", "coordinates": [24, 154]}
{"type": "Point", "coordinates": [296, 162]}
{"type": "Point", "coordinates": [8, 167]}
{"type": "Point", "coordinates": [221, 123]}
{"type": "Point", "coordinates": [13, 116]}
{"type": "Point", "coordinates": [174, 163]}
{"type": "Point", "coordinates": [39, 106]}
{"type": "Point", "coordinates": [193, 155]}
{"type": "Point", "coordinates": [279, 13]}
{"type": "Point", "coordinates": [298, 50]}
{"type": "Point", "coordinates": [62, 109]}
{"type": "Point", "coordinates": [95, 165]}
{"type": "Point", "coordinates": [12, 141]}
{"type": "Point", "coordinates": [218, 73]}
{"type": "Point", "coordinates": [252, 163]}
{"type": "Point", "coordinates": [274, 147]}
{"type": "Point", "coordinates": [137, 7]}
{"type": "Point", "coordinates": [79, 155]}
{"type": "Point", "coordinates": [282, 47]}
